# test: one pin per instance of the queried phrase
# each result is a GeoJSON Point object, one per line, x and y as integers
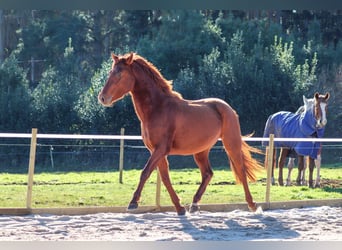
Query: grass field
{"type": "Point", "coordinates": [77, 189]}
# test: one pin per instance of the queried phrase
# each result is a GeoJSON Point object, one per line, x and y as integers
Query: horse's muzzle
{"type": "Point", "coordinates": [105, 100]}
{"type": "Point", "coordinates": [322, 123]}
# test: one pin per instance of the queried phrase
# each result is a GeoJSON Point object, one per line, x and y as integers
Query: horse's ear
{"type": "Point", "coordinates": [129, 59]}
{"type": "Point", "coordinates": [115, 58]}
{"type": "Point", "coordinates": [316, 95]}
{"type": "Point", "coordinates": [304, 99]}
{"type": "Point", "coordinates": [327, 96]}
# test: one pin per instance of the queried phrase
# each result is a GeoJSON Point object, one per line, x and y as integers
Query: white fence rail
{"type": "Point", "coordinates": [138, 137]}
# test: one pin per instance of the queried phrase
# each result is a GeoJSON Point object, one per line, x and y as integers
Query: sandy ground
{"type": "Point", "coordinates": [316, 223]}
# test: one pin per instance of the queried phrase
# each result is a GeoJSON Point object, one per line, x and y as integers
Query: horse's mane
{"type": "Point", "coordinates": [150, 70]}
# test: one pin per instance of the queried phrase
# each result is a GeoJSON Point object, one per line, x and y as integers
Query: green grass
{"type": "Point", "coordinates": [103, 188]}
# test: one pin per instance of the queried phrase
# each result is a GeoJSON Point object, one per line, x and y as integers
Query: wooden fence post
{"type": "Point", "coordinates": [121, 158]}
{"type": "Point", "coordinates": [31, 168]}
{"type": "Point", "coordinates": [269, 168]}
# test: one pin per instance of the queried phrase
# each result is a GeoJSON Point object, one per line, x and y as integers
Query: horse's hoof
{"type": "Point", "coordinates": [194, 208]}
{"type": "Point", "coordinates": [253, 207]}
{"type": "Point", "coordinates": [181, 211]}
{"type": "Point", "coordinates": [132, 206]}
{"type": "Point", "coordinates": [280, 182]}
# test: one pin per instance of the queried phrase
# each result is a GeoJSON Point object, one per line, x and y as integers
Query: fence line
{"type": "Point", "coordinates": [34, 136]}
{"type": "Point", "coordinates": [138, 137]}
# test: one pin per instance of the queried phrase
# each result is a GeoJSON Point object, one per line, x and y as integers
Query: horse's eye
{"type": "Point", "coordinates": [114, 71]}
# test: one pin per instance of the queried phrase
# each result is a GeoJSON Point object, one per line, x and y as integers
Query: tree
{"type": "Point", "coordinates": [181, 39]}
{"type": "Point", "coordinates": [14, 96]}
{"type": "Point", "coordinates": [56, 95]}
{"type": "Point", "coordinates": [1, 36]}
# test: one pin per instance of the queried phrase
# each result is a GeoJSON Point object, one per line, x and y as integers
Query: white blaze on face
{"type": "Point", "coordinates": [323, 121]}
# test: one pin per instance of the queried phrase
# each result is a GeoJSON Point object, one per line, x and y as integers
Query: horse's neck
{"type": "Point", "coordinates": [308, 121]}
{"type": "Point", "coordinates": [146, 99]}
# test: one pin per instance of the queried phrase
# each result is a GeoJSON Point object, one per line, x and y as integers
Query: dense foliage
{"type": "Point", "coordinates": [53, 63]}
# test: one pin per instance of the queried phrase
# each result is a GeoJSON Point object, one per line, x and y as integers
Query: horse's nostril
{"type": "Point", "coordinates": [101, 98]}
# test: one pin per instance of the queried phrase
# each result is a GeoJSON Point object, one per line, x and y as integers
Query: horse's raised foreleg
{"type": "Point", "coordinates": [202, 161]}
{"type": "Point", "coordinates": [311, 169]}
{"type": "Point", "coordinates": [145, 174]}
{"type": "Point", "coordinates": [163, 166]}
{"type": "Point", "coordinates": [318, 168]}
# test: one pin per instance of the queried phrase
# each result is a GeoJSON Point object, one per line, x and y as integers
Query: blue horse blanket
{"type": "Point", "coordinates": [292, 125]}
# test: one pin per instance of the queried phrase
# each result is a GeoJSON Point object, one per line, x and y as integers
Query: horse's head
{"type": "Point", "coordinates": [120, 81]}
{"type": "Point", "coordinates": [319, 104]}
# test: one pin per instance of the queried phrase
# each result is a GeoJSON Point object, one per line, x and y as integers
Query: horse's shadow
{"type": "Point", "coordinates": [247, 227]}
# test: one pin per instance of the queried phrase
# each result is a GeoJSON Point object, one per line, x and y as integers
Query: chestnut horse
{"type": "Point", "coordinates": [171, 125]}
{"type": "Point", "coordinates": [307, 124]}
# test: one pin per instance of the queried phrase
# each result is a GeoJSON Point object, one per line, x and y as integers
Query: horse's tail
{"type": "Point", "coordinates": [252, 166]}
{"type": "Point", "coordinates": [242, 163]}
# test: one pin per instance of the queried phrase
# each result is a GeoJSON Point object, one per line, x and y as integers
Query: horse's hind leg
{"type": "Point", "coordinates": [202, 161]}
{"type": "Point", "coordinates": [163, 166]}
{"type": "Point", "coordinates": [236, 157]}
{"type": "Point", "coordinates": [239, 153]}
{"type": "Point", "coordinates": [281, 163]}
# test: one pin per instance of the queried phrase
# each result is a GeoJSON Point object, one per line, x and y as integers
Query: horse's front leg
{"type": "Point", "coordinates": [303, 180]}
{"type": "Point", "coordinates": [318, 168]}
{"type": "Point", "coordinates": [300, 169]}
{"type": "Point", "coordinates": [163, 166]}
{"type": "Point", "coordinates": [311, 169]}
{"type": "Point", "coordinates": [290, 166]}
{"type": "Point", "coordinates": [145, 174]}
